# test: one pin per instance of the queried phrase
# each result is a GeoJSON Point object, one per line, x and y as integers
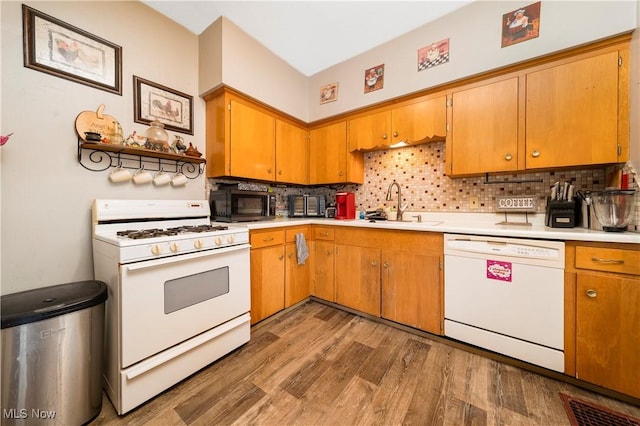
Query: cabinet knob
{"type": "Point", "coordinates": [279, 172]}
{"type": "Point", "coordinates": [374, 262]}
{"type": "Point", "coordinates": [592, 293]}
{"type": "Point", "coordinates": [508, 157]}
{"type": "Point", "coordinates": [281, 257]}
{"type": "Point", "coordinates": [340, 173]}
{"type": "Point", "coordinates": [385, 265]}
{"type": "Point", "coordinates": [535, 154]}
{"type": "Point", "coordinates": [395, 134]}
{"type": "Point", "coordinates": [269, 171]}
{"type": "Point", "coordinates": [328, 252]}
{"type": "Point", "coordinates": [384, 136]}
{"type": "Point", "coordinates": [268, 239]}
{"type": "Point", "coordinates": [325, 234]}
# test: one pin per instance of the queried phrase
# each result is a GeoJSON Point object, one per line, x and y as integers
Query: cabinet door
{"type": "Point", "coordinates": [411, 290]}
{"type": "Point", "coordinates": [252, 134]}
{"type": "Point", "coordinates": [370, 131]}
{"type": "Point", "coordinates": [292, 153]}
{"type": "Point", "coordinates": [328, 154]}
{"type": "Point", "coordinates": [324, 274]}
{"type": "Point", "coordinates": [608, 331]}
{"type": "Point", "coordinates": [267, 282]}
{"type": "Point", "coordinates": [297, 277]}
{"type": "Point", "coordinates": [572, 113]}
{"type": "Point", "coordinates": [484, 129]}
{"type": "Point", "coordinates": [425, 120]}
{"type": "Point", "coordinates": [358, 278]}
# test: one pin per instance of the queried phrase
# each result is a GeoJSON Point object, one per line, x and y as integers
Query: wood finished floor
{"type": "Point", "coordinates": [317, 365]}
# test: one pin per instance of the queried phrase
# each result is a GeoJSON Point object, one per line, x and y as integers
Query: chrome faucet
{"type": "Point", "coordinates": [400, 209]}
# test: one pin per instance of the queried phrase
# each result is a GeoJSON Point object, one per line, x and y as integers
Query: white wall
{"type": "Point", "coordinates": [251, 68]}
{"type": "Point", "coordinates": [474, 32]}
{"type": "Point", "coordinates": [46, 193]}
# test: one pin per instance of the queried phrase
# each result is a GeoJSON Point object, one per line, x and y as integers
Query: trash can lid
{"type": "Point", "coordinates": [36, 305]}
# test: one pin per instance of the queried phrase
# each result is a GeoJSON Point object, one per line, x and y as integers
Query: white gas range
{"type": "Point", "coordinates": [179, 293]}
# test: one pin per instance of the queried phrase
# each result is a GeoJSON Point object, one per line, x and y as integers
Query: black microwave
{"type": "Point", "coordinates": [236, 205]}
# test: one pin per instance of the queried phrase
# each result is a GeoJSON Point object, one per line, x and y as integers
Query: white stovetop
{"type": "Point", "coordinates": [468, 223]}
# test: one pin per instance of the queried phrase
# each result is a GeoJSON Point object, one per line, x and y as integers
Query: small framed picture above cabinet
{"type": "Point", "coordinates": [374, 78]}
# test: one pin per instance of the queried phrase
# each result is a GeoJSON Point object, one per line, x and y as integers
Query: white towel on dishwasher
{"type": "Point", "coordinates": [301, 249]}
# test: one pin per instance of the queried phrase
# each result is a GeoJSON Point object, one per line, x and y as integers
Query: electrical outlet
{"type": "Point", "coordinates": [474, 203]}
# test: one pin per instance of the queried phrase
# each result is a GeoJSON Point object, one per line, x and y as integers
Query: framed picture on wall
{"type": "Point", "coordinates": [521, 24]}
{"type": "Point", "coordinates": [57, 48]}
{"type": "Point", "coordinates": [329, 93]}
{"type": "Point", "coordinates": [433, 54]}
{"type": "Point", "coordinates": [374, 78]}
{"type": "Point", "coordinates": [153, 101]}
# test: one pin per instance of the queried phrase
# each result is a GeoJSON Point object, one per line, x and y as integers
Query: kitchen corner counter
{"type": "Point", "coordinates": [465, 223]}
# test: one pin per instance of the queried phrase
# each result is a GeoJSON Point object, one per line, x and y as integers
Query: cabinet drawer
{"type": "Point", "coordinates": [323, 233]}
{"type": "Point", "coordinates": [266, 238]}
{"type": "Point", "coordinates": [290, 233]}
{"type": "Point", "coordinates": [608, 260]}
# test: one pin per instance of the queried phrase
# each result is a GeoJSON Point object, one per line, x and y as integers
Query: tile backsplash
{"type": "Point", "coordinates": [420, 171]}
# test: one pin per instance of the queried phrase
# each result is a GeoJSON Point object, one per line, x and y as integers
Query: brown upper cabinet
{"type": "Point", "coordinates": [292, 153]}
{"type": "Point", "coordinates": [240, 139]}
{"type": "Point", "coordinates": [330, 162]}
{"type": "Point", "coordinates": [572, 110]}
{"type": "Point", "coordinates": [483, 136]}
{"type": "Point", "coordinates": [417, 121]}
{"type": "Point", "coordinates": [246, 140]}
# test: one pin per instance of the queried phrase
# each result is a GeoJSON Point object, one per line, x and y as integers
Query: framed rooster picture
{"type": "Point", "coordinates": [63, 50]}
{"type": "Point", "coordinates": [153, 101]}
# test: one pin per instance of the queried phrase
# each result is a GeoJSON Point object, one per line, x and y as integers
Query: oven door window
{"type": "Point", "coordinates": [187, 291]}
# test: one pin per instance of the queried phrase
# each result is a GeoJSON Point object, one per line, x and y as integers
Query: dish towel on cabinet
{"type": "Point", "coordinates": [301, 249]}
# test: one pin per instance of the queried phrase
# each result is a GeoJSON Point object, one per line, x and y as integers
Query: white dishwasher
{"type": "Point", "coordinates": [506, 295]}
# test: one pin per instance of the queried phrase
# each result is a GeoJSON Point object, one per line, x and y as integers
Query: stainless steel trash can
{"type": "Point", "coordinates": [52, 350]}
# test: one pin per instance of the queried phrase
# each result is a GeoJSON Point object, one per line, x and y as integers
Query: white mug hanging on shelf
{"type": "Point", "coordinates": [161, 178]}
{"type": "Point", "coordinates": [119, 174]}
{"type": "Point", "coordinates": [142, 176]}
{"type": "Point", "coordinates": [179, 179]}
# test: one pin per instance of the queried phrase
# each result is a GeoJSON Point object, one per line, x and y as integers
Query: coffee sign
{"type": "Point", "coordinates": [516, 203]}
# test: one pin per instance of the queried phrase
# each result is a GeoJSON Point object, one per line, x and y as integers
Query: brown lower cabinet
{"type": "Point", "coordinates": [267, 273]}
{"type": "Point", "coordinates": [323, 277]}
{"type": "Point", "coordinates": [297, 277]}
{"type": "Point", "coordinates": [277, 281]}
{"type": "Point", "coordinates": [606, 278]}
{"type": "Point", "coordinates": [393, 274]}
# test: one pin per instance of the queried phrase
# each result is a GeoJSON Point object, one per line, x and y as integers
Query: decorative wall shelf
{"type": "Point", "coordinates": [98, 157]}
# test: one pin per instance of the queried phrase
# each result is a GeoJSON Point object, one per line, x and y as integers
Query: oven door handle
{"type": "Point", "coordinates": [180, 258]}
{"type": "Point", "coordinates": [179, 350]}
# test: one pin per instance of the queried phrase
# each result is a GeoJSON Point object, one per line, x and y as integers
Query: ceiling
{"type": "Point", "coordinates": [311, 35]}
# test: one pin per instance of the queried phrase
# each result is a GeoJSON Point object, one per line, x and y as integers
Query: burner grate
{"type": "Point", "coordinates": [137, 234]}
{"type": "Point", "coordinates": [584, 413]}
{"type": "Point", "coordinates": [198, 228]}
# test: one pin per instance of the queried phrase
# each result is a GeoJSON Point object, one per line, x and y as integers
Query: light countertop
{"type": "Point", "coordinates": [466, 223]}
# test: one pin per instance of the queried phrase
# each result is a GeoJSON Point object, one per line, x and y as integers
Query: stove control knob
{"type": "Point", "coordinates": [230, 239]}
{"type": "Point", "coordinates": [156, 249]}
{"type": "Point", "coordinates": [197, 244]}
{"type": "Point", "coordinates": [218, 241]}
{"type": "Point", "coordinates": [174, 247]}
